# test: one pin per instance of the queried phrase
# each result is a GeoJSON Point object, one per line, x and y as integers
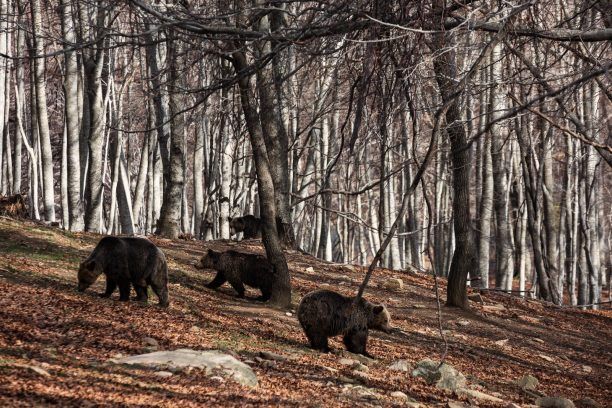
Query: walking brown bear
{"type": "Point", "coordinates": [325, 314]}
{"type": "Point", "coordinates": [126, 262]}
{"type": "Point", "coordinates": [249, 225]}
{"type": "Point", "coordinates": [239, 269]}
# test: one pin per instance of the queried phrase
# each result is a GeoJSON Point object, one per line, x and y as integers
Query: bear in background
{"type": "Point", "coordinates": [126, 262]}
{"type": "Point", "coordinates": [239, 269]}
{"type": "Point", "coordinates": [324, 314]}
{"type": "Point", "coordinates": [249, 225]}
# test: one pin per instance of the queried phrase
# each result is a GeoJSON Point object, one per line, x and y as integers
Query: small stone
{"type": "Point", "coordinates": [554, 402]}
{"type": "Point", "coordinates": [38, 370]}
{"type": "Point", "coordinates": [512, 405]}
{"type": "Point", "coordinates": [502, 342]}
{"type": "Point", "coordinates": [588, 403]}
{"type": "Point", "coordinates": [360, 367]}
{"type": "Point", "coordinates": [479, 395]}
{"type": "Point", "coordinates": [462, 323]}
{"type": "Point", "coordinates": [399, 395]}
{"type": "Point", "coordinates": [587, 369]}
{"type": "Point", "coordinates": [310, 269]}
{"type": "Point", "coordinates": [537, 340]}
{"type": "Point", "coordinates": [163, 374]}
{"type": "Point", "coordinates": [394, 284]}
{"type": "Point", "coordinates": [494, 308]}
{"type": "Point", "coordinates": [349, 268]}
{"type": "Point", "coordinates": [445, 377]}
{"type": "Point", "coordinates": [547, 358]}
{"type": "Point", "coordinates": [195, 329]}
{"type": "Point", "coordinates": [331, 370]}
{"type": "Point", "coordinates": [150, 341]}
{"type": "Point", "coordinates": [272, 356]}
{"type": "Point", "coordinates": [346, 380]}
{"type": "Point", "coordinates": [347, 361]}
{"type": "Point", "coordinates": [400, 365]}
{"type": "Point", "coordinates": [528, 382]}
{"type": "Point", "coordinates": [149, 349]}
{"type": "Point", "coordinates": [217, 378]}
{"type": "Point", "coordinates": [418, 306]}
{"type": "Point", "coordinates": [288, 314]}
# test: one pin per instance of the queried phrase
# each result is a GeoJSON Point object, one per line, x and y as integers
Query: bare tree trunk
{"type": "Point", "coordinates": [281, 292]}
{"type": "Point", "coordinates": [41, 113]}
{"type": "Point", "coordinates": [19, 99]}
{"type": "Point", "coordinates": [71, 79]}
{"type": "Point", "coordinates": [198, 178]}
{"type": "Point", "coordinates": [170, 214]}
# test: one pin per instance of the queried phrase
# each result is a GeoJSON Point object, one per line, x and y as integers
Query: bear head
{"type": "Point", "coordinates": [89, 271]}
{"type": "Point", "coordinates": [379, 318]}
{"type": "Point", "coordinates": [236, 225]}
{"type": "Point", "coordinates": [209, 261]}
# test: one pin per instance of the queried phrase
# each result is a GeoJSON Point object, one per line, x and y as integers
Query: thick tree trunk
{"type": "Point", "coordinates": [71, 79]}
{"type": "Point", "coordinates": [170, 214]}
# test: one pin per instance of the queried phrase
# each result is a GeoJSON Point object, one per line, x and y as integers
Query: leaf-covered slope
{"type": "Point", "coordinates": [55, 343]}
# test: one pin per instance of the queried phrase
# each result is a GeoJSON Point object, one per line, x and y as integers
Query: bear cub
{"type": "Point", "coordinates": [127, 262]}
{"type": "Point", "coordinates": [324, 314]}
{"type": "Point", "coordinates": [239, 269]}
{"type": "Point", "coordinates": [249, 225]}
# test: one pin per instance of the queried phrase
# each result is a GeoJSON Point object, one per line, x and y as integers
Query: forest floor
{"type": "Point", "coordinates": [56, 343]}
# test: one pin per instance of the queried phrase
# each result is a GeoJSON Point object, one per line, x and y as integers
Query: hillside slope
{"type": "Point", "coordinates": [46, 324]}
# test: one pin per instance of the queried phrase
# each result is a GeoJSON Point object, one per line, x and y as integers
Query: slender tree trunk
{"type": "Point", "coordinates": [41, 113]}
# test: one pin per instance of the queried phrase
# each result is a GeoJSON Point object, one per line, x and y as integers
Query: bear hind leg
{"type": "Point", "coordinates": [141, 293]}
{"type": "Point", "coordinates": [238, 287]}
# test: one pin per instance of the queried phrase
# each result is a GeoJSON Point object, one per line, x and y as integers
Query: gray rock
{"type": "Point", "coordinates": [360, 392]}
{"type": "Point", "coordinates": [446, 377]}
{"type": "Point", "coordinates": [360, 367]}
{"type": "Point", "coordinates": [394, 284]}
{"type": "Point", "coordinates": [462, 322]}
{"type": "Point", "coordinates": [163, 374]}
{"type": "Point", "coordinates": [310, 269]}
{"type": "Point", "coordinates": [347, 361]}
{"type": "Point", "coordinates": [400, 365]}
{"type": "Point", "coordinates": [588, 403]}
{"type": "Point", "coordinates": [360, 376]}
{"type": "Point", "coordinates": [272, 356]}
{"type": "Point", "coordinates": [399, 395]}
{"type": "Point", "coordinates": [528, 382]}
{"type": "Point", "coordinates": [554, 402]}
{"type": "Point", "coordinates": [150, 341]}
{"type": "Point", "coordinates": [211, 361]}
{"type": "Point", "coordinates": [479, 395]}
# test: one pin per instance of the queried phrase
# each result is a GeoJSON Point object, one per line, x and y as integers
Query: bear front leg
{"type": "Point", "coordinates": [218, 281]}
{"type": "Point", "coordinates": [111, 285]}
{"type": "Point", "coordinates": [141, 293]}
{"type": "Point", "coordinates": [124, 291]}
{"type": "Point", "coordinates": [355, 341]}
{"type": "Point", "coordinates": [238, 287]}
{"type": "Point", "coordinates": [318, 342]}
{"type": "Point", "coordinates": [265, 295]}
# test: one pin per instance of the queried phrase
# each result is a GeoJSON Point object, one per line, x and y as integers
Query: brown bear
{"type": "Point", "coordinates": [249, 225]}
{"type": "Point", "coordinates": [324, 314]}
{"type": "Point", "coordinates": [239, 269]}
{"type": "Point", "coordinates": [125, 262]}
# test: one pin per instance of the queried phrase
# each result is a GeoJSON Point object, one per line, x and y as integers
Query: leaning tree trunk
{"type": "Point", "coordinates": [41, 113]}
{"type": "Point", "coordinates": [281, 291]}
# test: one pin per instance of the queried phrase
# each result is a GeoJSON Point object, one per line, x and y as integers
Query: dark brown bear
{"type": "Point", "coordinates": [126, 262]}
{"type": "Point", "coordinates": [324, 314]}
{"type": "Point", "coordinates": [249, 225]}
{"type": "Point", "coordinates": [239, 269]}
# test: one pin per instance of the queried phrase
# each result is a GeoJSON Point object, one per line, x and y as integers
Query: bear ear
{"type": "Point", "coordinates": [378, 309]}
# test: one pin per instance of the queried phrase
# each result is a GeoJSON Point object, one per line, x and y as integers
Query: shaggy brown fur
{"type": "Point", "coordinates": [239, 269]}
{"type": "Point", "coordinates": [249, 225]}
{"type": "Point", "coordinates": [125, 262]}
{"type": "Point", "coordinates": [325, 314]}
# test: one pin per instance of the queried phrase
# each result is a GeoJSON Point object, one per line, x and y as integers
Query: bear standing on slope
{"type": "Point", "coordinates": [239, 269]}
{"type": "Point", "coordinates": [126, 262]}
{"type": "Point", "coordinates": [325, 314]}
{"type": "Point", "coordinates": [249, 225]}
